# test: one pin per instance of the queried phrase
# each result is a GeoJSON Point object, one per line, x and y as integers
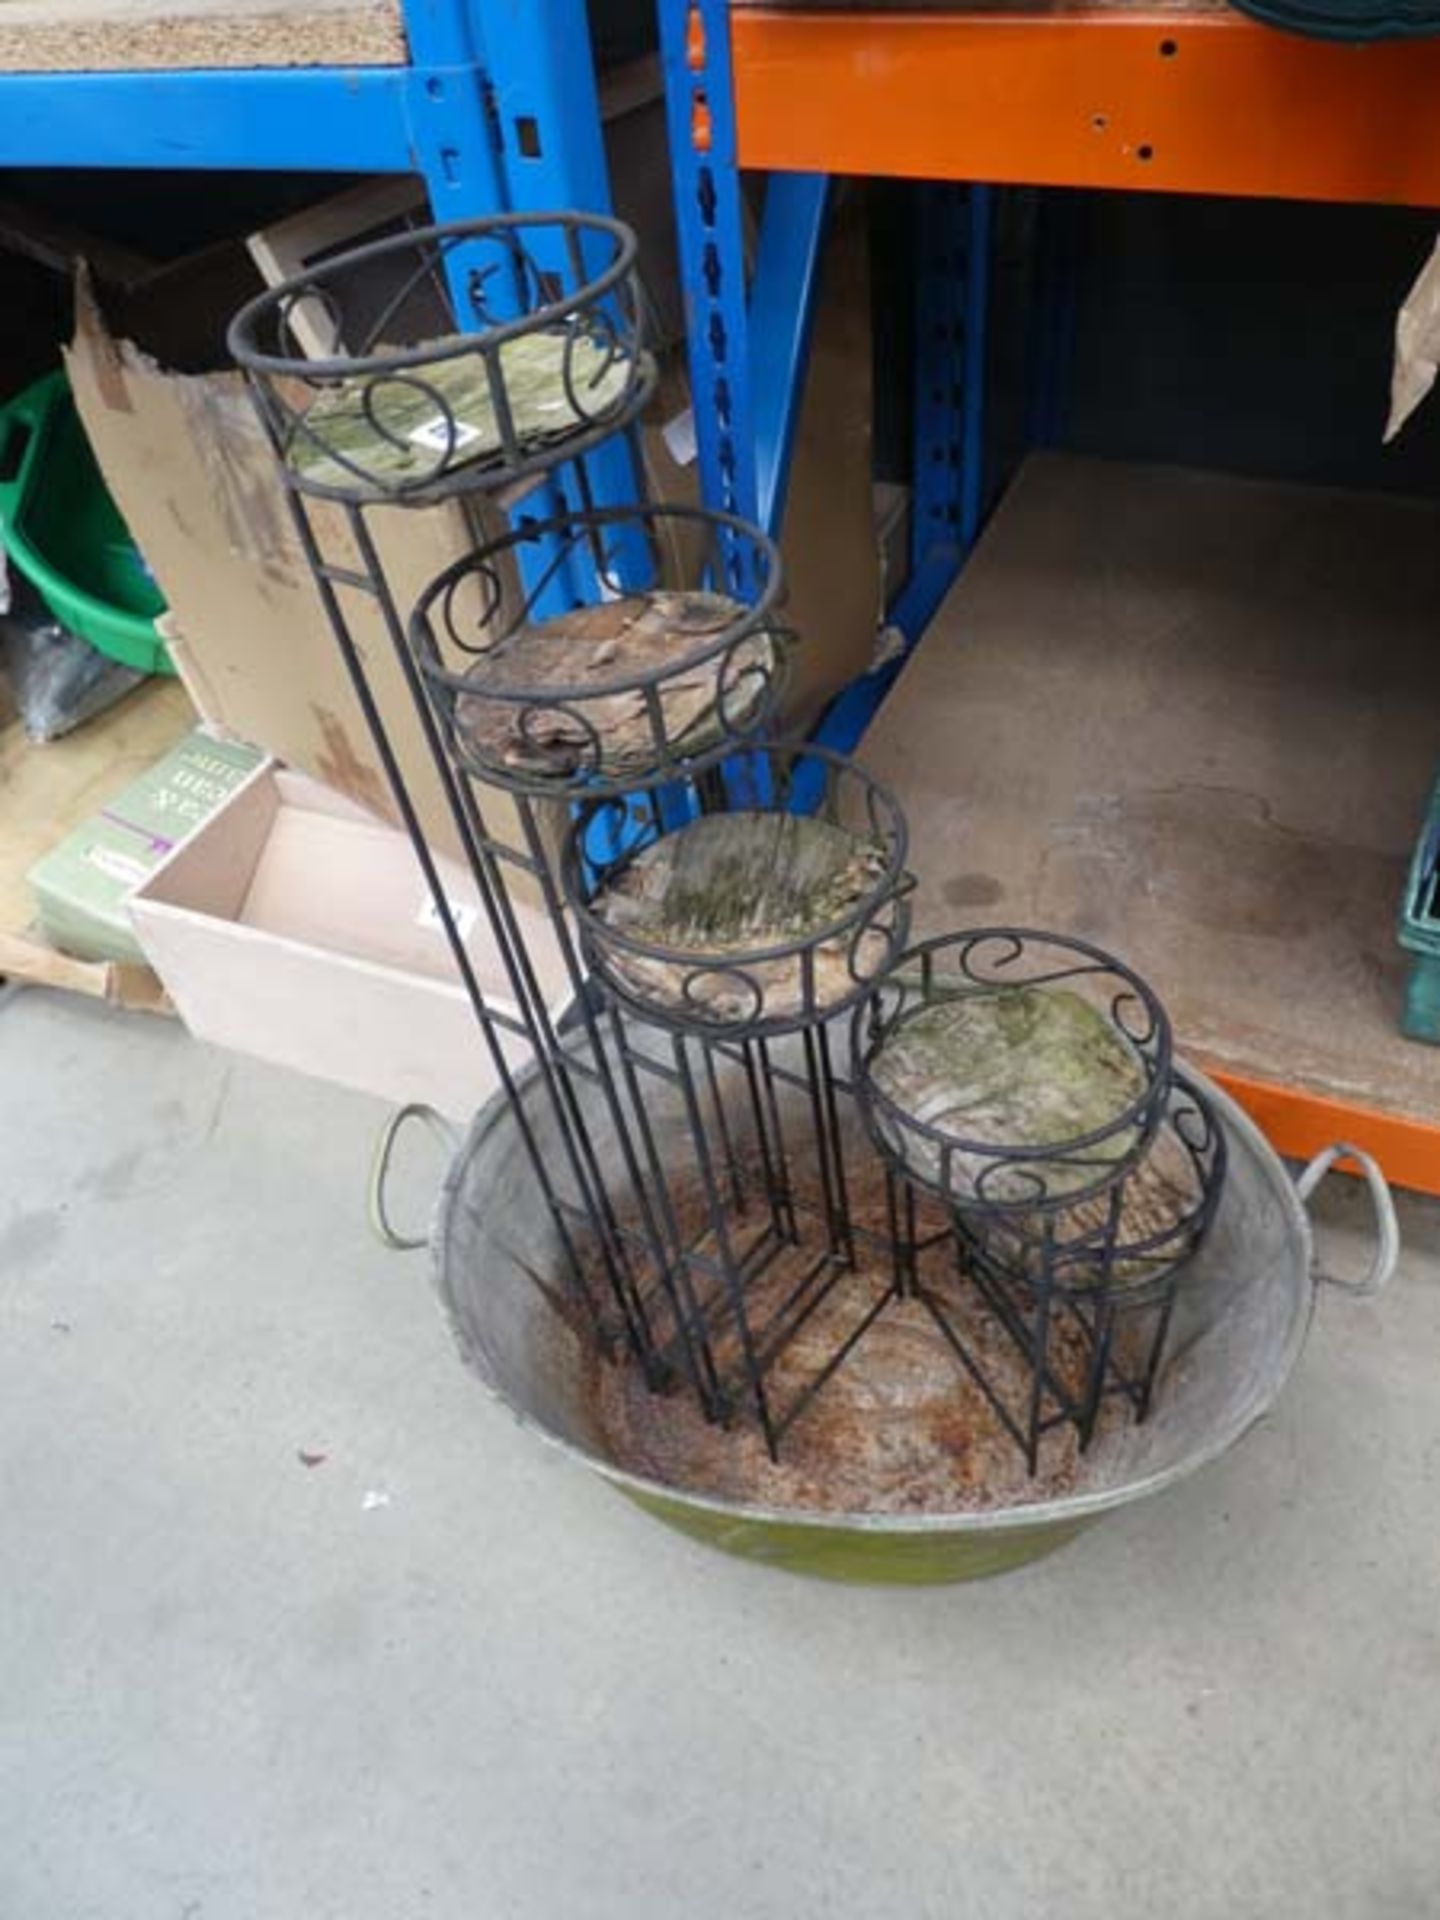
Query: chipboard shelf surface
{"type": "Point", "coordinates": [1195, 719]}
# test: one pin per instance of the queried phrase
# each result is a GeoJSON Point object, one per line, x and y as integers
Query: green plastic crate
{"type": "Point", "coordinates": [62, 530]}
{"type": "Point", "coordinates": [1419, 930]}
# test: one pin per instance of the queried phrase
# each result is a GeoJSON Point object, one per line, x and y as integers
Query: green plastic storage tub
{"type": "Point", "coordinates": [1419, 930]}
{"type": "Point", "coordinates": [62, 530]}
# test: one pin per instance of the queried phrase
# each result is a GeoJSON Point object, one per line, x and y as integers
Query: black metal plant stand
{"type": "Point", "coordinates": [1074, 1234]}
{"type": "Point", "coordinates": [723, 902]}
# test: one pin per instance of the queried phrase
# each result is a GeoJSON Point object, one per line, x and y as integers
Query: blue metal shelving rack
{"type": "Point", "coordinates": [748, 343]}
{"type": "Point", "coordinates": [497, 110]}
{"type": "Point", "coordinates": [1198, 101]}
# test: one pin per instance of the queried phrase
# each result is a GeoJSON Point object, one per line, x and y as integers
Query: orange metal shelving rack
{"type": "Point", "coordinates": [1187, 98]}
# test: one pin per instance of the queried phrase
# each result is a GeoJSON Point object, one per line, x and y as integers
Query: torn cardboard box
{"type": "Point", "coordinates": [189, 467]}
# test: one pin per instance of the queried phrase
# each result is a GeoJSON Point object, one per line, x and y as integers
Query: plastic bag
{"type": "Point", "coordinates": [1417, 345]}
{"type": "Point", "coordinates": [57, 680]}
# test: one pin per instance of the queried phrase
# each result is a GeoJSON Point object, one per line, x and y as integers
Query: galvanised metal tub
{"type": "Point", "coordinates": [1239, 1329]}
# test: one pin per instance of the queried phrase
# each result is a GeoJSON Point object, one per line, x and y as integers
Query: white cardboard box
{"type": "Point", "coordinates": [295, 927]}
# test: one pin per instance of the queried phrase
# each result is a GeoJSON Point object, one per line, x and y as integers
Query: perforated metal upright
{"type": "Point", "coordinates": [749, 329]}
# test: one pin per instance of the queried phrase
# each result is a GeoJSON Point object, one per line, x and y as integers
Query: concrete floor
{"type": "Point", "coordinates": [236, 1688]}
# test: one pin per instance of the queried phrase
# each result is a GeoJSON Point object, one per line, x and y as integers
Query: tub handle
{"type": "Point", "coordinates": [377, 1205]}
{"type": "Point", "coordinates": [1387, 1227]}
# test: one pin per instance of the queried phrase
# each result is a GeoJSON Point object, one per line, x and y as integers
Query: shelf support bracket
{"type": "Point", "coordinates": [782, 314]}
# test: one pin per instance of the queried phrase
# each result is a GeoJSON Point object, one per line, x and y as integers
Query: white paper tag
{"type": "Point", "coordinates": [117, 866]}
{"type": "Point", "coordinates": [434, 434]}
{"type": "Point", "coordinates": [679, 436]}
{"type": "Point", "coordinates": [463, 913]}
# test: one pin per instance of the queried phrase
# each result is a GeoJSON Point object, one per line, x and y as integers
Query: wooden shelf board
{"type": "Point", "coordinates": [1196, 719]}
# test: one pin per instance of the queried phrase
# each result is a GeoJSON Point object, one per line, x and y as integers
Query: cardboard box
{"type": "Point", "coordinates": [81, 887]}
{"type": "Point", "coordinates": [295, 927]}
{"type": "Point", "coordinates": [829, 541]}
{"type": "Point", "coordinates": [188, 465]}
